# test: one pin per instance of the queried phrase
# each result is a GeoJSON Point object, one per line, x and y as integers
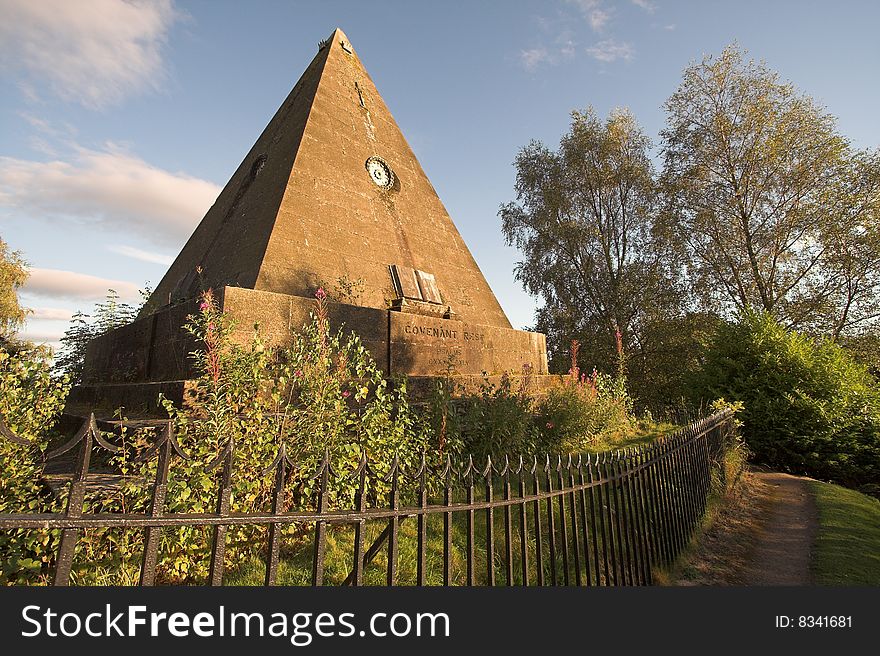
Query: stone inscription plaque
{"type": "Point", "coordinates": [427, 346]}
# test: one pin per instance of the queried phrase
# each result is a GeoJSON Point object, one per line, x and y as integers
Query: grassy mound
{"type": "Point", "coordinates": [847, 550]}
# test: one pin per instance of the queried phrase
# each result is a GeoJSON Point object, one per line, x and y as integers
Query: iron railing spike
{"type": "Point", "coordinates": [468, 471]}
{"type": "Point", "coordinates": [362, 465]}
{"type": "Point", "coordinates": [75, 440]}
{"type": "Point", "coordinates": [274, 465]}
{"type": "Point", "coordinates": [176, 445]}
{"type": "Point", "coordinates": [392, 470]}
{"type": "Point", "coordinates": [446, 472]}
{"type": "Point", "coordinates": [227, 449]}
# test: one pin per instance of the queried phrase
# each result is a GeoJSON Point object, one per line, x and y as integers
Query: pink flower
{"type": "Point", "coordinates": [320, 294]}
{"type": "Point", "coordinates": [346, 394]}
{"type": "Point", "coordinates": [549, 424]}
{"type": "Point", "coordinates": [298, 373]}
{"type": "Point", "coordinates": [204, 306]}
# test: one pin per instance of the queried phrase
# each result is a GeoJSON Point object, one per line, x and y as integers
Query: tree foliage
{"type": "Point", "coordinates": [31, 401]}
{"type": "Point", "coordinates": [13, 274]}
{"type": "Point", "coordinates": [774, 209]}
{"type": "Point", "coordinates": [106, 315]}
{"type": "Point", "coordinates": [584, 219]}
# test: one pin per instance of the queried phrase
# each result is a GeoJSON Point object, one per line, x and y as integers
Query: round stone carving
{"type": "Point", "coordinates": [380, 173]}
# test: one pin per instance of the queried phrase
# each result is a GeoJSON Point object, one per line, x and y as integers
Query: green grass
{"type": "Point", "coordinates": [847, 549]}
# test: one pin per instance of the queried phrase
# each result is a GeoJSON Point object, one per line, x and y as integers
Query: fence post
{"type": "Point", "coordinates": [469, 479]}
{"type": "Point", "coordinates": [523, 524]}
{"type": "Point", "coordinates": [508, 529]}
{"type": "Point", "coordinates": [157, 507]}
{"type": "Point", "coordinates": [447, 523]}
{"type": "Point", "coordinates": [218, 545]}
{"type": "Point", "coordinates": [320, 528]}
{"type": "Point", "coordinates": [539, 550]}
{"type": "Point", "coordinates": [360, 502]}
{"type": "Point", "coordinates": [75, 500]}
{"type": "Point", "coordinates": [604, 511]}
{"type": "Point", "coordinates": [393, 524]}
{"type": "Point", "coordinates": [563, 521]}
{"type": "Point", "coordinates": [421, 564]}
{"type": "Point", "coordinates": [572, 501]}
{"type": "Point", "coordinates": [490, 526]}
{"type": "Point", "coordinates": [551, 523]}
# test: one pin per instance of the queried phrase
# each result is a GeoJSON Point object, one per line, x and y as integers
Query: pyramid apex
{"type": "Point", "coordinates": [337, 38]}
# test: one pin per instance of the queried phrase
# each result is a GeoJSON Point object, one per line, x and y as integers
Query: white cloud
{"type": "Point", "coordinates": [598, 18]}
{"type": "Point", "coordinates": [143, 256]}
{"type": "Point", "coordinates": [595, 13]}
{"type": "Point", "coordinates": [58, 284]}
{"type": "Point", "coordinates": [111, 189]}
{"type": "Point", "coordinates": [647, 5]}
{"type": "Point", "coordinates": [95, 53]}
{"type": "Point", "coordinates": [50, 338]}
{"type": "Point", "coordinates": [586, 6]}
{"type": "Point", "coordinates": [610, 50]}
{"type": "Point", "coordinates": [533, 57]}
{"type": "Point", "coordinates": [49, 314]}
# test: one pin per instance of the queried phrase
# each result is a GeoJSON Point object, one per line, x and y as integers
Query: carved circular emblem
{"type": "Point", "coordinates": [380, 173]}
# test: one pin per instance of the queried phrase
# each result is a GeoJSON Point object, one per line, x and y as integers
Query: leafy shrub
{"type": "Point", "coordinates": [498, 420]}
{"type": "Point", "coordinates": [809, 407]}
{"type": "Point", "coordinates": [584, 412]}
{"type": "Point", "coordinates": [493, 420]}
{"type": "Point", "coordinates": [30, 403]}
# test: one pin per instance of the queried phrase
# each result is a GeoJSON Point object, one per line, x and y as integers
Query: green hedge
{"type": "Point", "coordinates": [809, 406]}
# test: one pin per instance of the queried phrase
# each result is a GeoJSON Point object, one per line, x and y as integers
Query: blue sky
{"type": "Point", "coordinates": [120, 121]}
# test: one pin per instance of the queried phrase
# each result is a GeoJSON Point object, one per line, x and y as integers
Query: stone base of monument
{"type": "Point", "coordinates": [129, 367]}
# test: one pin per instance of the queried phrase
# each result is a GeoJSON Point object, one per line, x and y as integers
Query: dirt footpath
{"type": "Point", "coordinates": [763, 535]}
{"type": "Point", "coordinates": [781, 554]}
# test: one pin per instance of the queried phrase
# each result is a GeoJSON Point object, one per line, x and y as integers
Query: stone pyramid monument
{"type": "Point", "coordinates": [330, 195]}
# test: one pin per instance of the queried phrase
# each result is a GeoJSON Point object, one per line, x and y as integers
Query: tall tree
{"type": "Point", "coordinates": [583, 218]}
{"type": "Point", "coordinates": [774, 209]}
{"type": "Point", "coordinates": [13, 274]}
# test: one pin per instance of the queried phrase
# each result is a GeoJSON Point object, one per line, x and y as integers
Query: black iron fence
{"type": "Point", "coordinates": [591, 519]}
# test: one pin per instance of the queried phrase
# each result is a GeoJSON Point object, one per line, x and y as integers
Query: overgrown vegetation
{"type": "Point", "coordinates": [322, 396]}
{"type": "Point", "coordinates": [108, 314]}
{"type": "Point", "coordinates": [31, 400]}
{"type": "Point", "coordinates": [809, 408]}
